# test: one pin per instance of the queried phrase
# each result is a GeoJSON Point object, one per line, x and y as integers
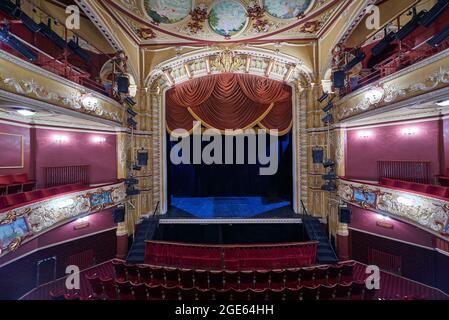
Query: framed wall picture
{"type": "Point", "coordinates": [12, 151]}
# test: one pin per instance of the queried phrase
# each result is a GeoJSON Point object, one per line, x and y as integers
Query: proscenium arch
{"type": "Point", "coordinates": [287, 69]}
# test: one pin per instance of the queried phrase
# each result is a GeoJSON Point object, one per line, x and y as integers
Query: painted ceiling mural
{"type": "Point", "coordinates": [192, 21]}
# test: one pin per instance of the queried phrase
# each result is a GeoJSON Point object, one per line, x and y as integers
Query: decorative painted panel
{"type": "Point", "coordinates": [18, 225]}
{"type": "Point", "coordinates": [428, 212]}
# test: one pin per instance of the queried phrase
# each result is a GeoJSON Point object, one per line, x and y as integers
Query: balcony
{"type": "Point", "coordinates": [426, 208]}
{"type": "Point", "coordinates": [42, 210]}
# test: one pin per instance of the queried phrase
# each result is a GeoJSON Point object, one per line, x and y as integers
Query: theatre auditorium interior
{"type": "Point", "coordinates": [231, 150]}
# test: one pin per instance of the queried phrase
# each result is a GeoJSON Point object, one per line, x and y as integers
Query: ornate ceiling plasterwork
{"type": "Point", "coordinates": [183, 21]}
{"type": "Point", "coordinates": [200, 63]}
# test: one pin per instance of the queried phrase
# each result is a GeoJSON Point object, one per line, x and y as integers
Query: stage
{"type": "Point", "coordinates": [211, 208]}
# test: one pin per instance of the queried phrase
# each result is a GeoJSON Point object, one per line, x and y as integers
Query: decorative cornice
{"type": "Point", "coordinates": [42, 216]}
{"type": "Point", "coordinates": [426, 212]}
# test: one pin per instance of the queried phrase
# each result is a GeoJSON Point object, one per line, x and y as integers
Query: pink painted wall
{"type": "Point", "coordinates": [366, 220]}
{"type": "Point", "coordinates": [14, 151]}
{"type": "Point", "coordinates": [79, 149]}
{"type": "Point", "coordinates": [446, 142]}
{"type": "Point", "coordinates": [389, 143]}
{"type": "Point", "coordinates": [98, 222]}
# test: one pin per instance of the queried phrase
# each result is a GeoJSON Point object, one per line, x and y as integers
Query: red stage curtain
{"type": "Point", "coordinates": [230, 101]}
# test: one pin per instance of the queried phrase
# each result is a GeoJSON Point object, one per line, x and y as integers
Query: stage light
{"type": "Point", "coordinates": [327, 118]}
{"type": "Point", "coordinates": [434, 13]}
{"type": "Point", "coordinates": [409, 27]}
{"type": "Point", "coordinates": [83, 54]}
{"type": "Point", "coordinates": [359, 58]}
{"type": "Point", "coordinates": [60, 139]}
{"type": "Point", "coordinates": [26, 112]}
{"type": "Point", "coordinates": [132, 192]}
{"type": "Point", "coordinates": [329, 163]}
{"type": "Point", "coordinates": [123, 84]}
{"type": "Point", "coordinates": [328, 107]}
{"type": "Point", "coordinates": [409, 131]}
{"type": "Point", "coordinates": [26, 20]}
{"type": "Point", "coordinates": [329, 187]}
{"type": "Point", "coordinates": [11, 41]}
{"type": "Point", "coordinates": [365, 134]}
{"type": "Point", "coordinates": [131, 181]}
{"type": "Point", "coordinates": [8, 7]}
{"type": "Point", "coordinates": [405, 201]}
{"type": "Point", "coordinates": [53, 36]}
{"type": "Point", "coordinates": [329, 176]}
{"type": "Point", "coordinates": [440, 37]}
{"type": "Point", "coordinates": [323, 97]}
{"type": "Point", "coordinates": [339, 79]}
{"type": "Point", "coordinates": [132, 122]}
{"type": "Point", "coordinates": [131, 112]}
{"type": "Point", "coordinates": [130, 101]}
{"type": "Point", "coordinates": [64, 203]}
{"type": "Point", "coordinates": [383, 44]}
{"type": "Point", "coordinates": [444, 103]}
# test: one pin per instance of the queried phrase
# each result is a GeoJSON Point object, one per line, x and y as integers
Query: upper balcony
{"type": "Point", "coordinates": [405, 59]}
{"type": "Point", "coordinates": [48, 62]}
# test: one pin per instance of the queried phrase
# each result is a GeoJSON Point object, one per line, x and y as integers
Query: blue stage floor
{"type": "Point", "coordinates": [226, 207]}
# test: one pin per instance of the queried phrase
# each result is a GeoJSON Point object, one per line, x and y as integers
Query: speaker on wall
{"type": "Point", "coordinates": [345, 215]}
{"type": "Point", "coordinates": [118, 214]}
{"type": "Point", "coordinates": [339, 79]}
{"type": "Point", "coordinates": [123, 84]}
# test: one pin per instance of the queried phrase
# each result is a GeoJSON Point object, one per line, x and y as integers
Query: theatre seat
{"type": "Point", "coordinates": [419, 187]}
{"type": "Point", "coordinates": [387, 182]}
{"type": "Point", "coordinates": [10, 187]}
{"type": "Point", "coordinates": [23, 179]}
{"type": "Point", "coordinates": [15, 199]}
{"type": "Point", "coordinates": [439, 191]}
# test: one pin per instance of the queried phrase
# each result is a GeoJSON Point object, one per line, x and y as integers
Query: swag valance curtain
{"type": "Point", "coordinates": [230, 101]}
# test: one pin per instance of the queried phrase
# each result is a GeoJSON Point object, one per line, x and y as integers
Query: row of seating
{"type": "Point", "coordinates": [20, 199]}
{"type": "Point", "coordinates": [258, 279]}
{"type": "Point", "coordinates": [426, 189]}
{"type": "Point", "coordinates": [15, 183]}
{"type": "Point", "coordinates": [125, 290]}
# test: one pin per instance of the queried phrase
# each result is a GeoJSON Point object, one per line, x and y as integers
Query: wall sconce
{"type": "Point", "coordinates": [81, 223]}
{"type": "Point", "coordinates": [60, 139]}
{"type": "Point", "coordinates": [98, 140]}
{"type": "Point", "coordinates": [409, 131]}
{"type": "Point", "coordinates": [365, 134]}
{"type": "Point", "coordinates": [384, 222]}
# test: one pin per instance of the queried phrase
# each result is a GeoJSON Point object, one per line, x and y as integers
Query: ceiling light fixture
{"type": "Point", "coordinates": [444, 103]}
{"type": "Point", "coordinates": [26, 112]}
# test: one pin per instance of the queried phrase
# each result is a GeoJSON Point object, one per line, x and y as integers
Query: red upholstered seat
{"type": "Point", "coordinates": [326, 292]}
{"type": "Point", "coordinates": [124, 290]}
{"type": "Point", "coordinates": [419, 187]}
{"type": "Point", "coordinates": [343, 291]}
{"type": "Point", "coordinates": [258, 294]}
{"type": "Point", "coordinates": [155, 292]}
{"type": "Point", "coordinates": [202, 279]}
{"type": "Point", "coordinates": [439, 191]}
{"type": "Point", "coordinates": [139, 291]}
{"type": "Point", "coordinates": [33, 195]}
{"type": "Point", "coordinates": [246, 280]}
{"type": "Point", "coordinates": [11, 187]}
{"type": "Point", "coordinates": [187, 278]}
{"type": "Point", "coordinates": [231, 279]}
{"type": "Point", "coordinates": [3, 203]}
{"type": "Point", "coordinates": [403, 184]}
{"type": "Point", "coordinates": [276, 295]}
{"type": "Point", "coordinates": [119, 268]}
{"type": "Point", "coordinates": [15, 199]}
{"type": "Point", "coordinates": [321, 274]}
{"type": "Point", "coordinates": [23, 179]}
{"type": "Point", "coordinates": [262, 279]}
{"type": "Point", "coordinates": [307, 277]}
{"type": "Point", "coordinates": [144, 273]}
{"type": "Point", "coordinates": [309, 293]}
{"type": "Point", "coordinates": [189, 294]}
{"type": "Point", "coordinates": [387, 182]}
{"type": "Point", "coordinates": [347, 272]}
{"type": "Point", "coordinates": [95, 285]}
{"type": "Point", "coordinates": [109, 288]}
{"type": "Point", "coordinates": [277, 279]}
{"type": "Point", "coordinates": [293, 294]}
{"type": "Point", "coordinates": [172, 293]}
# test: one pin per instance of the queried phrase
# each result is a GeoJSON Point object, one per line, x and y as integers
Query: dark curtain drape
{"type": "Point", "coordinates": [230, 101]}
{"type": "Point", "coordinates": [200, 180]}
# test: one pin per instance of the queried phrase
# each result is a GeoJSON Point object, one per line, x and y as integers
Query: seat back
{"type": "Point", "coordinates": [15, 199]}
{"type": "Point", "coordinates": [20, 178]}
{"type": "Point", "coordinates": [119, 268]}
{"type": "Point", "coordinates": [6, 179]}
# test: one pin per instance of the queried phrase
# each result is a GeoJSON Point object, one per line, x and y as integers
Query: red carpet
{"type": "Point", "coordinates": [391, 286]}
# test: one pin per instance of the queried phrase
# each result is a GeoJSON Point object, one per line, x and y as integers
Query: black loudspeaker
{"type": "Point", "coordinates": [118, 214]}
{"type": "Point", "coordinates": [434, 13]}
{"type": "Point", "coordinates": [339, 79]}
{"type": "Point", "coordinates": [142, 158]}
{"type": "Point", "coordinates": [123, 84]}
{"type": "Point", "coordinates": [345, 215]}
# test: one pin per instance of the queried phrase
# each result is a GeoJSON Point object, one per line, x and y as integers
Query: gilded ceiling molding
{"type": "Point", "coordinates": [34, 219]}
{"type": "Point", "coordinates": [428, 213]}
{"type": "Point", "coordinates": [230, 60]}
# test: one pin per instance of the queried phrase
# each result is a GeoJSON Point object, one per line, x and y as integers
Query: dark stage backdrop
{"type": "Point", "coordinates": [201, 180]}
